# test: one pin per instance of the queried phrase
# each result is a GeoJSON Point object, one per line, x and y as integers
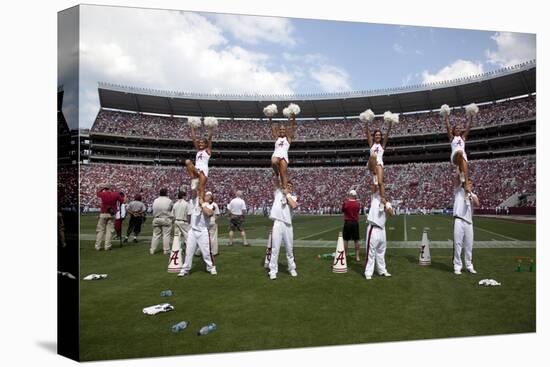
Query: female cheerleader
{"type": "Point", "coordinates": [199, 170]}
{"type": "Point", "coordinates": [457, 138]}
{"type": "Point", "coordinates": [283, 138]}
{"type": "Point", "coordinates": [377, 143]}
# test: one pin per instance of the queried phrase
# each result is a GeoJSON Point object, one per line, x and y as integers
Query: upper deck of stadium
{"type": "Point", "coordinates": [493, 86]}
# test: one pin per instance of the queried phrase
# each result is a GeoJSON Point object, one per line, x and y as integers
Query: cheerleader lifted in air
{"type": "Point", "coordinates": [377, 143]}
{"type": "Point", "coordinates": [283, 136]}
{"type": "Point", "coordinates": [199, 171]}
{"type": "Point", "coordinates": [457, 138]}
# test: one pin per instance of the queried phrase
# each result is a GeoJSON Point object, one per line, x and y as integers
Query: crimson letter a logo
{"type": "Point", "coordinates": [340, 257]}
{"type": "Point", "coordinates": [174, 257]}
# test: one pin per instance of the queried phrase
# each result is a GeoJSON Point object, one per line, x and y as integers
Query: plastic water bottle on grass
{"type": "Point", "coordinates": [166, 293]}
{"type": "Point", "coordinates": [518, 267]}
{"type": "Point", "coordinates": [207, 329]}
{"type": "Point", "coordinates": [180, 326]}
{"type": "Point", "coordinates": [325, 256]}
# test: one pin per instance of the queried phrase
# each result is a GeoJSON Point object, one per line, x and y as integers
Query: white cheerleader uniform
{"type": "Point", "coordinates": [458, 144]}
{"type": "Point", "coordinates": [201, 161]}
{"type": "Point", "coordinates": [378, 151]}
{"type": "Point", "coordinates": [281, 148]}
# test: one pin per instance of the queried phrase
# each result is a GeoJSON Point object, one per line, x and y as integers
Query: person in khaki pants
{"type": "Point", "coordinates": [162, 222]}
{"type": "Point", "coordinates": [180, 212]}
{"type": "Point", "coordinates": [105, 224]}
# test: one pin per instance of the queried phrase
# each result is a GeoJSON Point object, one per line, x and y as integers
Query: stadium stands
{"type": "Point", "coordinates": [164, 127]}
{"type": "Point", "coordinates": [412, 185]}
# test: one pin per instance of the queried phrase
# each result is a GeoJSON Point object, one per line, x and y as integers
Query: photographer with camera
{"type": "Point", "coordinates": [105, 225]}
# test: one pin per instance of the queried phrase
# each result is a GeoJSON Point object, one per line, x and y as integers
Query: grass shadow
{"type": "Point", "coordinates": [357, 267]}
{"type": "Point", "coordinates": [446, 267]}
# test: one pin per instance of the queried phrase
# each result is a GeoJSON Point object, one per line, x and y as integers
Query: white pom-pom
{"type": "Point", "coordinates": [291, 110]}
{"type": "Point", "coordinates": [472, 109]}
{"type": "Point", "coordinates": [445, 110]}
{"type": "Point", "coordinates": [367, 116]}
{"type": "Point", "coordinates": [270, 110]}
{"type": "Point", "coordinates": [388, 116]}
{"type": "Point", "coordinates": [394, 118]}
{"type": "Point", "coordinates": [211, 122]}
{"type": "Point", "coordinates": [194, 122]}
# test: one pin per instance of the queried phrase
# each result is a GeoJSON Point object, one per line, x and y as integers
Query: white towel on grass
{"type": "Point", "coordinates": [95, 276]}
{"type": "Point", "coordinates": [489, 282]}
{"type": "Point", "coordinates": [153, 310]}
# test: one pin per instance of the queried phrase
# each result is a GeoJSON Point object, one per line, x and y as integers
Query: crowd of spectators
{"type": "Point", "coordinates": [67, 187]}
{"type": "Point", "coordinates": [135, 124]}
{"type": "Point", "coordinates": [164, 127]}
{"type": "Point", "coordinates": [322, 189]}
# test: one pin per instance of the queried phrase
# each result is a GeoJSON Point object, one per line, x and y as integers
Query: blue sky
{"type": "Point", "coordinates": [199, 52]}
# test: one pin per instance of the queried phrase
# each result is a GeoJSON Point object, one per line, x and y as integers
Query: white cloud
{"type": "Point", "coordinates": [254, 29]}
{"type": "Point", "coordinates": [457, 69]}
{"type": "Point", "coordinates": [169, 50]}
{"type": "Point", "coordinates": [512, 49]}
{"type": "Point", "coordinates": [398, 48]}
{"type": "Point", "coordinates": [326, 76]}
{"type": "Point", "coordinates": [407, 80]}
{"type": "Point", "coordinates": [313, 58]}
{"type": "Point", "coordinates": [331, 78]}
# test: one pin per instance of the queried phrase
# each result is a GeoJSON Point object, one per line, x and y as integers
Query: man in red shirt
{"type": "Point", "coordinates": [351, 208]}
{"type": "Point", "coordinates": [105, 224]}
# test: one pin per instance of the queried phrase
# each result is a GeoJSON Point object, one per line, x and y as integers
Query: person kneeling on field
{"type": "Point", "coordinates": [376, 238]}
{"type": "Point", "coordinates": [281, 215]}
{"type": "Point", "coordinates": [198, 235]}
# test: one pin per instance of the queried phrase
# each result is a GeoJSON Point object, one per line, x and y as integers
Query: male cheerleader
{"type": "Point", "coordinates": [198, 235]}
{"type": "Point", "coordinates": [463, 224]}
{"type": "Point", "coordinates": [376, 237]}
{"type": "Point", "coordinates": [281, 215]}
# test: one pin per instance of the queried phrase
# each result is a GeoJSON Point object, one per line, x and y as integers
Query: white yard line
{"type": "Point", "coordinates": [144, 243]}
{"type": "Point", "coordinates": [495, 233]}
{"type": "Point", "coordinates": [318, 233]}
{"type": "Point", "coordinates": [490, 232]}
{"type": "Point", "coordinates": [405, 228]}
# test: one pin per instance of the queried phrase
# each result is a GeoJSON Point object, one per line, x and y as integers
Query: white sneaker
{"type": "Point", "coordinates": [293, 273]}
{"type": "Point", "coordinates": [375, 180]}
{"type": "Point", "coordinates": [388, 205]}
{"type": "Point", "coordinates": [471, 270]}
{"type": "Point", "coordinates": [183, 274]}
{"type": "Point", "coordinates": [381, 207]}
{"type": "Point", "coordinates": [213, 272]}
{"type": "Point", "coordinates": [368, 277]}
{"type": "Point", "coordinates": [152, 252]}
{"type": "Point", "coordinates": [272, 276]}
{"type": "Point", "coordinates": [458, 272]}
{"type": "Point", "coordinates": [194, 184]}
{"type": "Point", "coordinates": [462, 178]}
{"type": "Point", "coordinates": [386, 274]}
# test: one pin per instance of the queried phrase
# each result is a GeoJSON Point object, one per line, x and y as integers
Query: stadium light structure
{"type": "Point", "coordinates": [325, 95]}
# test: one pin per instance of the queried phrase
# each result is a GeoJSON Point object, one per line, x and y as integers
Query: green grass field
{"type": "Point", "coordinates": [318, 307]}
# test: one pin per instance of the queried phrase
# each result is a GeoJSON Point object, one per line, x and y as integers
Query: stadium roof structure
{"type": "Point", "coordinates": [492, 86]}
